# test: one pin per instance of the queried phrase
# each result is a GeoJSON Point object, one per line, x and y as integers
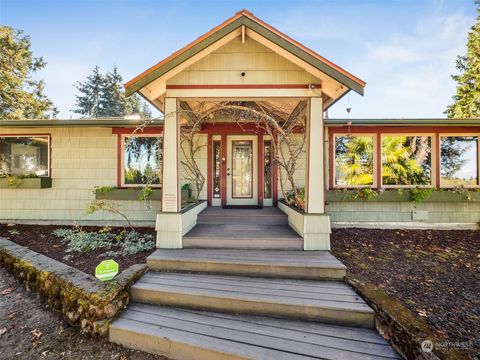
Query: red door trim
{"type": "Point", "coordinates": [275, 179]}
{"type": "Point", "coordinates": [223, 170]}
{"type": "Point", "coordinates": [261, 171]}
{"type": "Point", "coordinates": [209, 169]}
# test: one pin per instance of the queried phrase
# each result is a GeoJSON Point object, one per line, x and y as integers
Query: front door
{"type": "Point", "coordinates": [242, 170]}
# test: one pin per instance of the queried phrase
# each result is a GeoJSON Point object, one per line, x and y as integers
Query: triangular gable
{"type": "Point", "coordinates": [241, 23]}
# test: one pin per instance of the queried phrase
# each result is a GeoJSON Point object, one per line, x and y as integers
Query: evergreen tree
{"type": "Point", "coordinates": [113, 101]}
{"type": "Point", "coordinates": [102, 95]}
{"type": "Point", "coordinates": [20, 96]}
{"type": "Point", "coordinates": [467, 98]}
{"type": "Point", "coordinates": [89, 103]}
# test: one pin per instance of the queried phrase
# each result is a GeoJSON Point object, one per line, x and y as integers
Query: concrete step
{"type": "Point", "coordinates": [265, 216]}
{"type": "Point", "coordinates": [325, 301]}
{"type": "Point", "coordinates": [243, 236]}
{"type": "Point", "coordinates": [320, 265]}
{"type": "Point", "coordinates": [188, 334]}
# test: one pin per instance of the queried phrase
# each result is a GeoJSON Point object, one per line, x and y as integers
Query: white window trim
{"type": "Point", "coordinates": [49, 148]}
{"type": "Point", "coordinates": [440, 135]}
{"type": "Point", "coordinates": [433, 160]}
{"type": "Point", "coordinates": [375, 167]}
{"type": "Point", "coordinates": [122, 161]}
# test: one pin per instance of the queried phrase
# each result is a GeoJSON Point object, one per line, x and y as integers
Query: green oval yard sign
{"type": "Point", "coordinates": [106, 270]}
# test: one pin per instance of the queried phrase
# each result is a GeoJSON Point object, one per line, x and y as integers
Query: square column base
{"type": "Point", "coordinates": [314, 228]}
{"type": "Point", "coordinates": [172, 226]}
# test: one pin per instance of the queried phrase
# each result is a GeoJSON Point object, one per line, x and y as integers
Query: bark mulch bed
{"type": "Point", "coordinates": [40, 238]}
{"type": "Point", "coordinates": [434, 273]}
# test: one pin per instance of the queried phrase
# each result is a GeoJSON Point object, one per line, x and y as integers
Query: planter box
{"type": "Point", "coordinates": [404, 196]}
{"type": "Point", "coordinates": [125, 194]}
{"type": "Point", "coordinates": [172, 226]}
{"type": "Point", "coordinates": [314, 228]}
{"type": "Point", "coordinates": [29, 183]}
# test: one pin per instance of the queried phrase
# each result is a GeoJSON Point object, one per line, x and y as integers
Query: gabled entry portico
{"type": "Point", "coordinates": [245, 63]}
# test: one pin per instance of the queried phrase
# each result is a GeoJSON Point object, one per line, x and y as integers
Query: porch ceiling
{"type": "Point", "coordinates": [279, 108]}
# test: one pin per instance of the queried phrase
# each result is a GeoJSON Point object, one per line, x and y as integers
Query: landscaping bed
{"type": "Point", "coordinates": [42, 239]}
{"type": "Point", "coordinates": [434, 273]}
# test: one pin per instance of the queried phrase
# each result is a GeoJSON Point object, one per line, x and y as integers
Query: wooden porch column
{"type": "Point", "coordinates": [171, 142]}
{"type": "Point", "coordinates": [314, 180]}
{"type": "Point", "coordinates": [316, 224]}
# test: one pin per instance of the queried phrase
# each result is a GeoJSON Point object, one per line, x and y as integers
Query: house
{"type": "Point", "coordinates": [353, 172]}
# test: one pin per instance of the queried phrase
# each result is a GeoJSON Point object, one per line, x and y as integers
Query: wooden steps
{"type": "Point", "coordinates": [187, 334]}
{"type": "Point", "coordinates": [244, 304]}
{"type": "Point", "coordinates": [266, 263]}
{"type": "Point", "coordinates": [220, 216]}
{"type": "Point", "coordinates": [265, 228]}
{"type": "Point", "coordinates": [235, 236]}
{"type": "Point", "coordinates": [327, 301]}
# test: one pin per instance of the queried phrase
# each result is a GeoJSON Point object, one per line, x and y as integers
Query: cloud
{"type": "Point", "coordinates": [392, 52]}
{"type": "Point", "coordinates": [409, 74]}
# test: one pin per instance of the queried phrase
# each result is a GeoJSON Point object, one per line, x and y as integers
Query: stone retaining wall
{"type": "Point", "coordinates": [82, 299]}
{"type": "Point", "coordinates": [396, 323]}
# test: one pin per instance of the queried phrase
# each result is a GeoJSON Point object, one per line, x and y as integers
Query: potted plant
{"type": "Point", "coordinates": [186, 193]}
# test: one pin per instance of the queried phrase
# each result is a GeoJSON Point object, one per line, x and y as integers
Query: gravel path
{"type": "Point", "coordinates": [31, 330]}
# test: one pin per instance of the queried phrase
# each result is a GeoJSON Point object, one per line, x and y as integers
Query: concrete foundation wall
{"type": "Point", "coordinates": [404, 212]}
{"type": "Point", "coordinates": [82, 158]}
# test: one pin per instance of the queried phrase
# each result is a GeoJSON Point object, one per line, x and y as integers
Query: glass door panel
{"type": "Point", "coordinates": [242, 169]}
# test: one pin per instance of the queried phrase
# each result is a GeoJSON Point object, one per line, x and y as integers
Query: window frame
{"type": "Point", "coordinates": [374, 136]}
{"type": "Point", "coordinates": [433, 160]}
{"type": "Point", "coordinates": [439, 151]}
{"type": "Point", "coordinates": [49, 148]}
{"type": "Point", "coordinates": [121, 170]}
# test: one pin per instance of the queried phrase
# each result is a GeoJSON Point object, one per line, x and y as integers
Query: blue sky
{"type": "Point", "coordinates": [405, 50]}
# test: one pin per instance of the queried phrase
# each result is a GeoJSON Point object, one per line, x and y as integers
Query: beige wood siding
{"type": "Point", "coordinates": [299, 174]}
{"type": "Point", "coordinates": [225, 65]}
{"type": "Point", "coordinates": [82, 158]}
{"type": "Point", "coordinates": [201, 159]}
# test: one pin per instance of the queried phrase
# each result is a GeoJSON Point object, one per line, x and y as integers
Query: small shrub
{"type": "Point", "coordinates": [135, 243]}
{"type": "Point", "coordinates": [124, 243]}
{"type": "Point", "coordinates": [418, 195]}
{"type": "Point", "coordinates": [78, 240]}
{"type": "Point", "coordinates": [103, 189]}
{"type": "Point", "coordinates": [145, 193]}
{"type": "Point", "coordinates": [300, 201]}
{"type": "Point", "coordinates": [365, 193]}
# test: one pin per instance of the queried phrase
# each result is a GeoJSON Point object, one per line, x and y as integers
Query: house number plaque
{"type": "Point", "coordinates": [170, 203]}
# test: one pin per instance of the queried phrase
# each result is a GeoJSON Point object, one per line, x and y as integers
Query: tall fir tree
{"type": "Point", "coordinates": [113, 100]}
{"type": "Point", "coordinates": [467, 98]}
{"type": "Point", "coordinates": [102, 95]}
{"type": "Point", "coordinates": [89, 102]}
{"type": "Point", "coordinates": [21, 97]}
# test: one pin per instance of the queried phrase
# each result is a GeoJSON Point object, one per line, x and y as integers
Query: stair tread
{"type": "Point", "coordinates": [265, 212]}
{"type": "Point", "coordinates": [322, 259]}
{"type": "Point", "coordinates": [243, 231]}
{"type": "Point", "coordinates": [305, 293]}
{"type": "Point", "coordinates": [243, 336]}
